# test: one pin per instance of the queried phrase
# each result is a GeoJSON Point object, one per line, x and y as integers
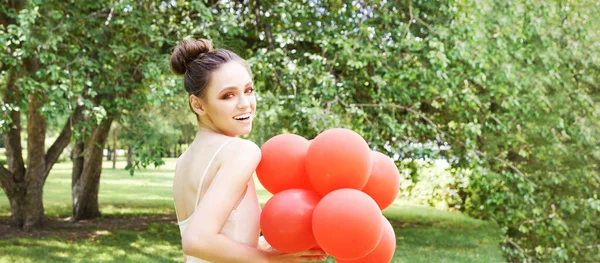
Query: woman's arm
{"type": "Point", "coordinates": [202, 237]}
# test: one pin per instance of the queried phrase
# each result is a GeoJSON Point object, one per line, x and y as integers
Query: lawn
{"type": "Point", "coordinates": [423, 234]}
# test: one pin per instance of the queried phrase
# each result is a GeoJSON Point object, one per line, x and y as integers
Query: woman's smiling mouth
{"type": "Point", "coordinates": [242, 117]}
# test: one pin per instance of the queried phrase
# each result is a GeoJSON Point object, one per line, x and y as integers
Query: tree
{"type": "Point", "coordinates": [55, 67]}
{"type": "Point", "coordinates": [29, 83]}
{"type": "Point", "coordinates": [127, 67]}
{"type": "Point", "coordinates": [128, 73]}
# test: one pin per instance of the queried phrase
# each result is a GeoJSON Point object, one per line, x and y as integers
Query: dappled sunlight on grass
{"type": "Point", "coordinates": [129, 209]}
{"type": "Point", "coordinates": [424, 234]}
{"type": "Point", "coordinates": [134, 182]}
{"type": "Point", "coordinates": [158, 243]}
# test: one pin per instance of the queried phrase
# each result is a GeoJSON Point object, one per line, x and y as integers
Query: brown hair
{"type": "Point", "coordinates": [196, 60]}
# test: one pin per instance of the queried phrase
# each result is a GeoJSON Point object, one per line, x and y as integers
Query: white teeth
{"type": "Point", "coordinates": [243, 116]}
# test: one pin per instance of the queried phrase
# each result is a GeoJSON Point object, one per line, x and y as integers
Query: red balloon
{"type": "Point", "coordinates": [384, 181]}
{"type": "Point", "coordinates": [338, 158]}
{"type": "Point", "coordinates": [384, 252]}
{"type": "Point", "coordinates": [286, 220]}
{"type": "Point", "coordinates": [283, 163]}
{"type": "Point", "coordinates": [347, 224]}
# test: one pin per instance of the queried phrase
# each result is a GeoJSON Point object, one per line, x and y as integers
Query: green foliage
{"type": "Point", "coordinates": [433, 183]}
{"type": "Point", "coordinates": [510, 88]}
{"type": "Point", "coordinates": [109, 56]}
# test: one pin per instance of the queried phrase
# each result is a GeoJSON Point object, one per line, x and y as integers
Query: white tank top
{"type": "Point", "coordinates": [243, 225]}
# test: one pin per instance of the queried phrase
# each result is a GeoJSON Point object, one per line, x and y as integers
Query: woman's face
{"type": "Point", "coordinates": [229, 103]}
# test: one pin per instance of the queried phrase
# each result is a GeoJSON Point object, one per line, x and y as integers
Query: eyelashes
{"type": "Point", "coordinates": [231, 94]}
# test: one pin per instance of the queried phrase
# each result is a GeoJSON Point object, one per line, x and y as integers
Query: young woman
{"type": "Point", "coordinates": [215, 199]}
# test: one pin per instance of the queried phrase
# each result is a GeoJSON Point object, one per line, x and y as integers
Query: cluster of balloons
{"type": "Point", "coordinates": [328, 193]}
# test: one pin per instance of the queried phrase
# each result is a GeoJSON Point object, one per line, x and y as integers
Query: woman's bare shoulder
{"type": "Point", "coordinates": [237, 160]}
{"type": "Point", "coordinates": [242, 148]}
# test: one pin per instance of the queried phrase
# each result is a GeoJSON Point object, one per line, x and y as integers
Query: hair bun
{"type": "Point", "coordinates": [188, 51]}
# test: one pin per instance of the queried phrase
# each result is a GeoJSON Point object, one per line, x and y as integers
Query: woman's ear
{"type": "Point", "coordinates": [197, 105]}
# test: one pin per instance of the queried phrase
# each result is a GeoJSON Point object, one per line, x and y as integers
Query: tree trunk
{"type": "Point", "coordinates": [12, 179]}
{"type": "Point", "coordinates": [24, 187]}
{"type": "Point", "coordinates": [109, 153]}
{"type": "Point", "coordinates": [130, 156]}
{"type": "Point", "coordinates": [114, 164]}
{"type": "Point", "coordinates": [36, 164]}
{"type": "Point", "coordinates": [87, 171]}
{"type": "Point", "coordinates": [77, 158]}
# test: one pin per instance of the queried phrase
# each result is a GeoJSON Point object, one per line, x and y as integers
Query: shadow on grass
{"type": "Point", "coordinates": [160, 242]}
{"type": "Point", "coordinates": [417, 241]}
{"type": "Point", "coordinates": [64, 228]}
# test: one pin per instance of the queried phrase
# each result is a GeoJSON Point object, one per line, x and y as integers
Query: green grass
{"type": "Point", "coordinates": [158, 243]}
{"type": "Point", "coordinates": [424, 234]}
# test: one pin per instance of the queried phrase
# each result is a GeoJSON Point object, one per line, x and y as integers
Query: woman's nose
{"type": "Point", "coordinates": [243, 102]}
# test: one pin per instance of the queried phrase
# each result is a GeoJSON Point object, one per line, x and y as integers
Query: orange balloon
{"type": "Point", "coordinates": [286, 220]}
{"type": "Point", "coordinates": [338, 158]}
{"type": "Point", "coordinates": [347, 224]}
{"type": "Point", "coordinates": [384, 181]}
{"type": "Point", "coordinates": [384, 252]}
{"type": "Point", "coordinates": [283, 163]}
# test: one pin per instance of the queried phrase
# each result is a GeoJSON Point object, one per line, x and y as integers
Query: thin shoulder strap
{"type": "Point", "coordinates": [206, 171]}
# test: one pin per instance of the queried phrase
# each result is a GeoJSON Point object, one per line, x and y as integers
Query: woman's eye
{"type": "Point", "coordinates": [250, 90]}
{"type": "Point", "coordinates": [227, 96]}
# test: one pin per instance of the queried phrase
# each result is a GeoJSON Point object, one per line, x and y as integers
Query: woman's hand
{"type": "Point", "coordinates": [313, 255]}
